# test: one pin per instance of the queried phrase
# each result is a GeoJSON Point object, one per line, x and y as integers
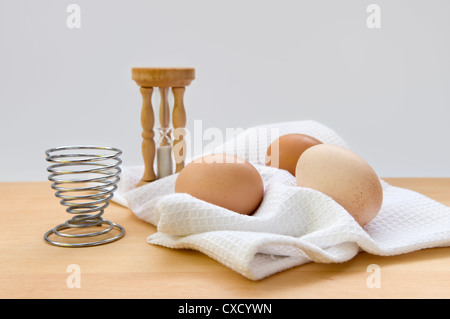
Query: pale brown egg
{"type": "Point", "coordinates": [224, 180]}
{"type": "Point", "coordinates": [285, 151]}
{"type": "Point", "coordinates": [344, 176]}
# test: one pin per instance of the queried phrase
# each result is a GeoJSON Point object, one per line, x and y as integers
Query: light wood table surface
{"type": "Point", "coordinates": [131, 268]}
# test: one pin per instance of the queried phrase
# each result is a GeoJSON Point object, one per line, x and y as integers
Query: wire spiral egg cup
{"type": "Point", "coordinates": [85, 178]}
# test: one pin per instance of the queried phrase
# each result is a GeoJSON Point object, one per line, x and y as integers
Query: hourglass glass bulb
{"type": "Point", "coordinates": [164, 154]}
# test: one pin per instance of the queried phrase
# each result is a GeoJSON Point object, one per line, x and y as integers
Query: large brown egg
{"type": "Point", "coordinates": [285, 151]}
{"type": "Point", "coordinates": [345, 177]}
{"type": "Point", "coordinates": [224, 180]}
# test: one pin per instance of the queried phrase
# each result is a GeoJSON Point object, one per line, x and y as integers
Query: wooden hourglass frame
{"type": "Point", "coordinates": [164, 79]}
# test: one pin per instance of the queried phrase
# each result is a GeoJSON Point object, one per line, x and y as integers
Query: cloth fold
{"type": "Point", "coordinates": [293, 225]}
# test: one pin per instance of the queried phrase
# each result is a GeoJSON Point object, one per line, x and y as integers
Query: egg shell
{"type": "Point", "coordinates": [285, 151]}
{"type": "Point", "coordinates": [224, 180]}
{"type": "Point", "coordinates": [344, 176]}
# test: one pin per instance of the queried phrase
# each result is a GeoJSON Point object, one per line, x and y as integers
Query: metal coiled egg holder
{"type": "Point", "coordinates": [85, 178]}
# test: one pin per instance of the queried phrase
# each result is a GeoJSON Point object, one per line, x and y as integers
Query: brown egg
{"type": "Point", "coordinates": [224, 180]}
{"type": "Point", "coordinates": [285, 151]}
{"type": "Point", "coordinates": [345, 177]}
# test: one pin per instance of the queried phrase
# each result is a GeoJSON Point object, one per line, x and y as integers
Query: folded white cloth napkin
{"type": "Point", "coordinates": [293, 225]}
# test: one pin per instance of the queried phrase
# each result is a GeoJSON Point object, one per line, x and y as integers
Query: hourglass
{"type": "Point", "coordinates": [164, 79]}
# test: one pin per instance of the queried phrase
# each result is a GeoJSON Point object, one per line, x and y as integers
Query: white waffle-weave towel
{"type": "Point", "coordinates": [293, 225]}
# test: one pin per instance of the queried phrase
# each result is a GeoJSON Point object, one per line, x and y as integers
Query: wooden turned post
{"type": "Point", "coordinates": [148, 141]}
{"type": "Point", "coordinates": [163, 79]}
{"type": "Point", "coordinates": [164, 115]}
{"type": "Point", "coordinates": [179, 131]}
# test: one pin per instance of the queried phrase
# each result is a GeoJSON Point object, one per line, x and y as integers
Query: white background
{"type": "Point", "coordinates": [385, 91]}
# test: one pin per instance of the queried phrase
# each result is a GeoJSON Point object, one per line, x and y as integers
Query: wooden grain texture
{"type": "Point", "coordinates": [163, 77]}
{"type": "Point", "coordinates": [131, 268]}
